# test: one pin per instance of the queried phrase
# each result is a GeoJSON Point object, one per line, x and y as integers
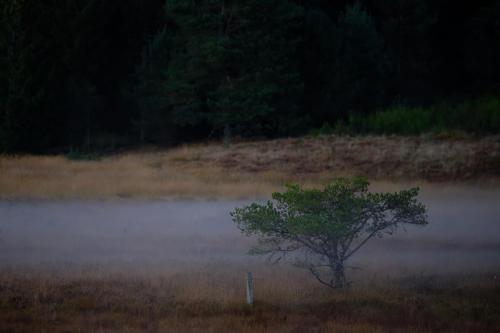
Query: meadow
{"type": "Point", "coordinates": [212, 300]}
{"type": "Point", "coordinates": [128, 242]}
{"type": "Point", "coordinates": [180, 266]}
{"type": "Point", "coordinates": [247, 169]}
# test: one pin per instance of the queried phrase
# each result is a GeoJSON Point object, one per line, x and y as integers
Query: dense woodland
{"type": "Point", "coordinates": [102, 74]}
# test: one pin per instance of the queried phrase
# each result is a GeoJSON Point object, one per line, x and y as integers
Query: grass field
{"type": "Point", "coordinates": [250, 169]}
{"type": "Point", "coordinates": [213, 300]}
{"type": "Point", "coordinates": [209, 296]}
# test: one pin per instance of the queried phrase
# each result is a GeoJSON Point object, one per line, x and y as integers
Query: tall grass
{"type": "Point", "coordinates": [214, 301]}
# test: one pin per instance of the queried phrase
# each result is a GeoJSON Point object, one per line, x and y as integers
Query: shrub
{"type": "Point", "coordinates": [325, 129]}
{"type": "Point", "coordinates": [401, 120]}
{"type": "Point", "coordinates": [480, 116]}
{"type": "Point", "coordinates": [77, 155]}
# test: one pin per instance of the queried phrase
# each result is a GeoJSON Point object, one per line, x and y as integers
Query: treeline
{"type": "Point", "coordinates": [88, 74]}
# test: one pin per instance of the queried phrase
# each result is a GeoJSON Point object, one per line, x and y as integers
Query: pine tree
{"type": "Point", "coordinates": [153, 123]}
{"type": "Point", "coordinates": [235, 65]}
{"type": "Point", "coordinates": [319, 65]}
{"type": "Point", "coordinates": [406, 27]}
{"type": "Point", "coordinates": [360, 63]}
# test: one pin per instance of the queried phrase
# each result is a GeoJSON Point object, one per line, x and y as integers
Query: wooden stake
{"type": "Point", "coordinates": [249, 288]}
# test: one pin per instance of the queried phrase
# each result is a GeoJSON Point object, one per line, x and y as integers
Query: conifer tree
{"type": "Point", "coordinates": [234, 65]}
{"type": "Point", "coordinates": [360, 63]}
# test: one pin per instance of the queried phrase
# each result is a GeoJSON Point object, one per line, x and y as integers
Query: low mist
{"type": "Point", "coordinates": [463, 235]}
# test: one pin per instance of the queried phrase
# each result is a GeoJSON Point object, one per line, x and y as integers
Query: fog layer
{"type": "Point", "coordinates": [463, 235]}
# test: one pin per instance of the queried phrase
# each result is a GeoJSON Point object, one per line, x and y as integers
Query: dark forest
{"type": "Point", "coordinates": [100, 75]}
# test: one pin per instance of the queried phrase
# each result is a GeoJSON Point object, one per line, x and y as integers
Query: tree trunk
{"type": "Point", "coordinates": [339, 276]}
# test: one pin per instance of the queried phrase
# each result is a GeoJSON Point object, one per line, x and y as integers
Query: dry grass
{"type": "Point", "coordinates": [212, 300]}
{"type": "Point", "coordinates": [249, 169]}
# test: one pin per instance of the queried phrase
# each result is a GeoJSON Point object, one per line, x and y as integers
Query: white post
{"type": "Point", "coordinates": [249, 288]}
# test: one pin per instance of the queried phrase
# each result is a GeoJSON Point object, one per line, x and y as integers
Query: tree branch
{"type": "Point", "coordinates": [373, 233]}
{"type": "Point", "coordinates": [320, 280]}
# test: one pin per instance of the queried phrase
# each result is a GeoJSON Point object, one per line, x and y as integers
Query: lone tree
{"type": "Point", "coordinates": [321, 229]}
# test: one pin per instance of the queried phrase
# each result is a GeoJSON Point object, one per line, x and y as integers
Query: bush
{"type": "Point", "coordinates": [325, 129]}
{"type": "Point", "coordinates": [479, 116]}
{"type": "Point", "coordinates": [395, 120]}
{"type": "Point", "coordinates": [77, 155]}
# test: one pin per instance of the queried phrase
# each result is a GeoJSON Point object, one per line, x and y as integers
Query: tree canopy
{"type": "Point", "coordinates": [321, 229]}
{"type": "Point", "coordinates": [232, 65]}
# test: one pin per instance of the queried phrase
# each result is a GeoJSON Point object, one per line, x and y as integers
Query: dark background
{"type": "Point", "coordinates": [105, 74]}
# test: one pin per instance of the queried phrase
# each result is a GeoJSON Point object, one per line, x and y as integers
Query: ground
{"type": "Point", "coordinates": [198, 302]}
{"type": "Point", "coordinates": [93, 246]}
{"type": "Point", "coordinates": [251, 169]}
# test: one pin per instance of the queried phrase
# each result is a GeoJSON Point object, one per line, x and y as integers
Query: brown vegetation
{"type": "Point", "coordinates": [213, 301]}
{"type": "Point", "coordinates": [250, 169]}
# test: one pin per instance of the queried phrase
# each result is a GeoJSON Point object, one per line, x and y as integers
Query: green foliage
{"type": "Point", "coordinates": [360, 63]}
{"type": "Point", "coordinates": [325, 129]}
{"type": "Point", "coordinates": [78, 155]}
{"type": "Point", "coordinates": [346, 64]}
{"type": "Point", "coordinates": [72, 69]}
{"type": "Point", "coordinates": [322, 229]}
{"type": "Point", "coordinates": [481, 116]}
{"type": "Point", "coordinates": [406, 26]}
{"type": "Point", "coordinates": [395, 120]}
{"type": "Point", "coordinates": [319, 61]}
{"type": "Point", "coordinates": [233, 64]}
{"type": "Point", "coordinates": [154, 119]}
{"type": "Point", "coordinates": [63, 66]}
